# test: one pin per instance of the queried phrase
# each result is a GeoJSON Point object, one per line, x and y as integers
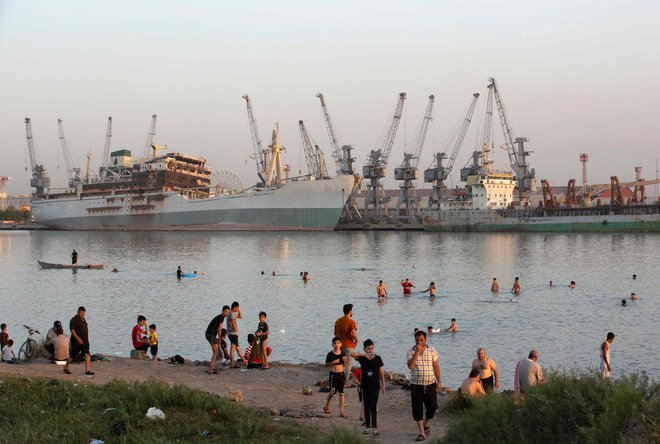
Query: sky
{"type": "Point", "coordinates": [575, 77]}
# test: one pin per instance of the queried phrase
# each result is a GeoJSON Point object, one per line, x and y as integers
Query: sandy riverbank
{"type": "Point", "coordinates": [278, 390]}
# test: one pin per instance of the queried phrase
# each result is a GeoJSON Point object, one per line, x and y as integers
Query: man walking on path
{"type": "Point", "coordinates": [487, 370]}
{"type": "Point", "coordinates": [80, 338]}
{"type": "Point", "coordinates": [346, 331]}
{"type": "Point", "coordinates": [424, 383]}
{"type": "Point", "coordinates": [605, 367]}
{"type": "Point", "coordinates": [528, 372]}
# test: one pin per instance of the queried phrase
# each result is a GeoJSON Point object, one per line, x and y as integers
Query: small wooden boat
{"type": "Point", "coordinates": [46, 265]}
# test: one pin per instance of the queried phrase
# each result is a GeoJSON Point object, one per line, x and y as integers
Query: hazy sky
{"type": "Point", "coordinates": [578, 76]}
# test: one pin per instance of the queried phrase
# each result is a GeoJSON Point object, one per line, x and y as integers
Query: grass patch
{"type": "Point", "coordinates": [39, 410]}
{"type": "Point", "coordinates": [571, 407]}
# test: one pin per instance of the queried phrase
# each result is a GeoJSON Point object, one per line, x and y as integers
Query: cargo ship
{"type": "Point", "coordinates": [487, 207]}
{"type": "Point", "coordinates": [174, 191]}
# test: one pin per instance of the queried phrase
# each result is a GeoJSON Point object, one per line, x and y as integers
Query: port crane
{"type": "Point", "coordinates": [408, 171]}
{"type": "Point", "coordinates": [341, 153]}
{"type": "Point", "coordinates": [376, 167]}
{"type": "Point", "coordinates": [439, 172]}
{"type": "Point", "coordinates": [151, 135]}
{"type": "Point", "coordinates": [515, 148]}
{"type": "Point", "coordinates": [40, 180]}
{"type": "Point", "coordinates": [259, 154]}
{"type": "Point", "coordinates": [106, 150]}
{"type": "Point", "coordinates": [72, 171]}
{"type": "Point", "coordinates": [313, 155]}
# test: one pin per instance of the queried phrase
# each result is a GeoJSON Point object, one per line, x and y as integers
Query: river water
{"type": "Point", "coordinates": [566, 326]}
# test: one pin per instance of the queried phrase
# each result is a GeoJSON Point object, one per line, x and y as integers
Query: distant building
{"type": "Point", "coordinates": [21, 201]}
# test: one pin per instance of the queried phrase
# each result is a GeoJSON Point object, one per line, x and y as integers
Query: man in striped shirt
{"type": "Point", "coordinates": [424, 382]}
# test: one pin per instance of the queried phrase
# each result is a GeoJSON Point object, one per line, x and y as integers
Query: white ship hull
{"type": "Point", "coordinates": [296, 205]}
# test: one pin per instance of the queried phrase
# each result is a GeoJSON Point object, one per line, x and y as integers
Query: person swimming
{"type": "Point", "coordinates": [571, 285]}
{"type": "Point", "coordinates": [623, 302]}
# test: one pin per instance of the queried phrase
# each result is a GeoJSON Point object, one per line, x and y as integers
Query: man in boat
{"type": "Point", "coordinates": [74, 257]}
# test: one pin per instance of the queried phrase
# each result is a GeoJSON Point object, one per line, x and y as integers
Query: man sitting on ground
{"type": "Point", "coordinates": [139, 335]}
{"type": "Point", "coordinates": [472, 384]}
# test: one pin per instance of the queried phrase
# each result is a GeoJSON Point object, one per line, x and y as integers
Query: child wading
{"type": "Point", "coordinates": [373, 381]}
{"type": "Point", "coordinates": [336, 360]}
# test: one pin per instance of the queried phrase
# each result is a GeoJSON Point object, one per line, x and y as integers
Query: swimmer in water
{"type": "Point", "coordinates": [494, 287]}
{"type": "Point", "coordinates": [551, 283]}
{"type": "Point", "coordinates": [381, 291]}
{"type": "Point", "coordinates": [273, 273]}
{"type": "Point", "coordinates": [516, 286]}
{"type": "Point", "coordinates": [262, 272]}
{"type": "Point", "coordinates": [453, 328]}
{"type": "Point", "coordinates": [362, 269]}
{"type": "Point", "coordinates": [571, 285]}
{"type": "Point", "coordinates": [306, 277]}
{"type": "Point", "coordinates": [633, 297]}
{"type": "Point", "coordinates": [623, 302]}
{"type": "Point", "coordinates": [634, 276]}
{"type": "Point", "coordinates": [430, 330]}
{"type": "Point", "coordinates": [430, 290]}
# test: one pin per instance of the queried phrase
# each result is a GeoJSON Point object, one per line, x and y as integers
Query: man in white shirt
{"type": "Point", "coordinates": [529, 371]}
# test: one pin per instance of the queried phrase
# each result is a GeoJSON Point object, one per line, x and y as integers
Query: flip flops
{"type": "Point", "coordinates": [67, 371]}
{"type": "Point", "coordinates": [326, 409]}
{"type": "Point", "coordinates": [212, 372]}
{"type": "Point", "coordinates": [420, 438]}
{"type": "Point", "coordinates": [89, 373]}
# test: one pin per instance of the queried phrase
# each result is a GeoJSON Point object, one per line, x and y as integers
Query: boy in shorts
{"type": "Point", "coordinates": [223, 346]}
{"type": "Point", "coordinates": [262, 337]}
{"type": "Point", "coordinates": [153, 342]}
{"type": "Point", "coordinates": [336, 360]}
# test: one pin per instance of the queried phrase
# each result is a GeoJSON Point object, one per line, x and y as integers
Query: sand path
{"type": "Point", "coordinates": [278, 390]}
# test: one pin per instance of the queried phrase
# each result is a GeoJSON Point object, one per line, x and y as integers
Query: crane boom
{"type": "Point", "coordinates": [460, 136]}
{"type": "Point", "coordinates": [256, 140]}
{"type": "Point", "coordinates": [313, 155]}
{"type": "Point", "coordinates": [106, 147]}
{"type": "Point", "coordinates": [151, 135]}
{"type": "Point", "coordinates": [487, 134]}
{"type": "Point", "coordinates": [40, 180]}
{"type": "Point", "coordinates": [388, 142]}
{"type": "Point", "coordinates": [420, 137]}
{"type": "Point", "coordinates": [332, 134]}
{"type": "Point", "coordinates": [517, 155]}
{"type": "Point", "coordinates": [72, 171]}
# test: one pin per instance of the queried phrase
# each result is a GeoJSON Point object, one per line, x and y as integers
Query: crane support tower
{"type": "Point", "coordinates": [584, 158]}
{"type": "Point", "coordinates": [515, 148]}
{"type": "Point", "coordinates": [72, 171]}
{"type": "Point", "coordinates": [341, 153]}
{"type": "Point", "coordinates": [313, 155]}
{"type": "Point", "coordinates": [259, 153]}
{"type": "Point", "coordinates": [407, 205]}
{"type": "Point", "coordinates": [3, 192]}
{"type": "Point", "coordinates": [106, 150]}
{"type": "Point", "coordinates": [151, 136]}
{"type": "Point", "coordinates": [376, 167]}
{"type": "Point", "coordinates": [438, 173]}
{"type": "Point", "coordinates": [639, 195]}
{"type": "Point", "coordinates": [40, 180]}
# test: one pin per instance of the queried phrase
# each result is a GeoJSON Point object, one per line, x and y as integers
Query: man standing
{"type": "Point", "coordinates": [232, 331]}
{"type": "Point", "coordinates": [74, 257]}
{"type": "Point", "coordinates": [139, 334]}
{"type": "Point", "coordinates": [407, 286]}
{"type": "Point", "coordinates": [605, 367]}
{"type": "Point", "coordinates": [381, 291]}
{"type": "Point", "coordinates": [424, 383]}
{"type": "Point", "coordinates": [80, 338]}
{"type": "Point", "coordinates": [346, 331]}
{"type": "Point", "coordinates": [487, 370]}
{"type": "Point", "coordinates": [495, 286]}
{"type": "Point", "coordinates": [516, 286]}
{"type": "Point", "coordinates": [528, 372]}
{"type": "Point", "coordinates": [214, 336]}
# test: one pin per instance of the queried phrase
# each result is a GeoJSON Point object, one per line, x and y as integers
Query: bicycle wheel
{"type": "Point", "coordinates": [28, 351]}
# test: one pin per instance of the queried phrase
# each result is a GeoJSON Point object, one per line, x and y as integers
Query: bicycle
{"type": "Point", "coordinates": [29, 348]}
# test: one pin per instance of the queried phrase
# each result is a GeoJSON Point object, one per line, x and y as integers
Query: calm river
{"type": "Point", "coordinates": [566, 326]}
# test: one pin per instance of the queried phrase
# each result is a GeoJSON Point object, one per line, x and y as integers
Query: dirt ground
{"type": "Point", "coordinates": [278, 390]}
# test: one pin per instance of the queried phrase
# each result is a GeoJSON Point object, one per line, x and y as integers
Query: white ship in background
{"type": "Point", "coordinates": [175, 191]}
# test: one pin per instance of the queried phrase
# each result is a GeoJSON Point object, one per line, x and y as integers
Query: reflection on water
{"type": "Point", "coordinates": [566, 326]}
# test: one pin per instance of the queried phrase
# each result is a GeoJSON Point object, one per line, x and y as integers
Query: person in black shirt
{"type": "Point", "coordinates": [213, 335]}
{"type": "Point", "coordinates": [336, 360]}
{"type": "Point", "coordinates": [80, 338]}
{"type": "Point", "coordinates": [373, 380]}
{"type": "Point", "coordinates": [74, 257]}
{"type": "Point", "coordinates": [179, 272]}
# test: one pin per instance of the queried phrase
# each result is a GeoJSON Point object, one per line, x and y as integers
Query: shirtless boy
{"type": "Point", "coordinates": [495, 286]}
{"type": "Point", "coordinates": [516, 286]}
{"type": "Point", "coordinates": [605, 367]}
{"type": "Point", "coordinates": [336, 360]}
{"type": "Point", "coordinates": [381, 291]}
{"type": "Point", "coordinates": [487, 370]}
{"type": "Point", "coordinates": [472, 385]}
{"type": "Point", "coordinates": [430, 290]}
{"type": "Point", "coordinates": [453, 328]}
